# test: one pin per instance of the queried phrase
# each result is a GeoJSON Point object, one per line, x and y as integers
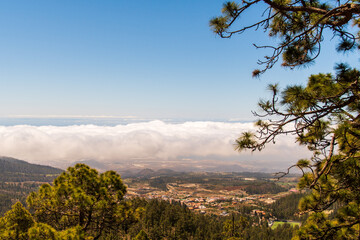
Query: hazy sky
{"type": "Point", "coordinates": [146, 59]}
{"type": "Point", "coordinates": [123, 62]}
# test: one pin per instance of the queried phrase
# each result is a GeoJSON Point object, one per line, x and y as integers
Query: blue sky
{"type": "Point", "coordinates": [125, 63]}
{"type": "Point", "coordinates": [146, 59]}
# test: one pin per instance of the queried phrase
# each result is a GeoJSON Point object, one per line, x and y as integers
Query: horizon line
{"type": "Point", "coordinates": [129, 117]}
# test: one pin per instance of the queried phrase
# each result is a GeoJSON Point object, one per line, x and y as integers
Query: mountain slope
{"type": "Point", "coordinates": [14, 170]}
{"type": "Point", "coordinates": [18, 178]}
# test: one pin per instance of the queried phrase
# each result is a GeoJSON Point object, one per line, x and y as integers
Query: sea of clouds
{"type": "Point", "coordinates": [155, 144]}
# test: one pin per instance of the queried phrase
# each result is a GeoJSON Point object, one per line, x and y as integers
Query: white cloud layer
{"type": "Point", "coordinates": [154, 144]}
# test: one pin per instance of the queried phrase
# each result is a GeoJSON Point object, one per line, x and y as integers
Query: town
{"type": "Point", "coordinates": [216, 193]}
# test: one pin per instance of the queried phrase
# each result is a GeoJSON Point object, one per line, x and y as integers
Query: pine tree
{"type": "Point", "coordinates": [324, 115]}
{"type": "Point", "coordinates": [80, 197]}
{"type": "Point", "coordinates": [142, 236]}
{"type": "Point", "coordinates": [300, 26]}
{"type": "Point", "coordinates": [16, 223]}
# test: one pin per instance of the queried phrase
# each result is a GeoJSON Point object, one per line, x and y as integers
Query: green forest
{"type": "Point", "coordinates": [82, 203]}
{"type": "Point", "coordinates": [19, 178]}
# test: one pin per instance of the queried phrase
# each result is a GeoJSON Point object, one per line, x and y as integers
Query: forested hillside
{"type": "Point", "coordinates": [164, 220]}
{"type": "Point", "coordinates": [82, 203]}
{"type": "Point", "coordinates": [18, 178]}
{"type": "Point", "coordinates": [287, 207]}
{"type": "Point", "coordinates": [14, 170]}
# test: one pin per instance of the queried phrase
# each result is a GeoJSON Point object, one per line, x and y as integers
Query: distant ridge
{"type": "Point", "coordinates": [147, 172]}
{"type": "Point", "coordinates": [165, 171]}
{"type": "Point", "coordinates": [12, 169]}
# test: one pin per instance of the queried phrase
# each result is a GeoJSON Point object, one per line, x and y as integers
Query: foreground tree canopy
{"type": "Point", "coordinates": [324, 115]}
{"type": "Point", "coordinates": [300, 25]}
{"type": "Point", "coordinates": [80, 204]}
{"type": "Point", "coordinates": [84, 205]}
